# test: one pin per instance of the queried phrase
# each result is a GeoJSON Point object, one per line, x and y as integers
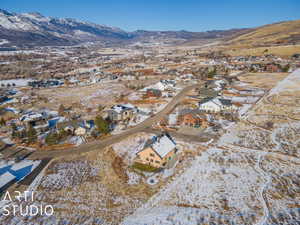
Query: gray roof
{"type": "Point", "coordinates": [225, 101]}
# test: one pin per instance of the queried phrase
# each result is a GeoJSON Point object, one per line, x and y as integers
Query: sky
{"type": "Point", "coordinates": [191, 15]}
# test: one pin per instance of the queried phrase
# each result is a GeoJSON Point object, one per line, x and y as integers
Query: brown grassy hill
{"type": "Point", "coordinates": [281, 39]}
{"type": "Point", "coordinates": [282, 33]}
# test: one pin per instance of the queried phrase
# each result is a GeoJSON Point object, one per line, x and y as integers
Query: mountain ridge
{"type": "Point", "coordinates": [28, 30]}
{"type": "Point", "coordinates": [33, 29]}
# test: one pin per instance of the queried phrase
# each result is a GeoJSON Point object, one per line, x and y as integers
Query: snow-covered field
{"type": "Point", "coordinates": [251, 176]}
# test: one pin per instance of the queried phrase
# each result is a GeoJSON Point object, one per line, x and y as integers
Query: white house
{"type": "Point", "coordinates": [216, 105]}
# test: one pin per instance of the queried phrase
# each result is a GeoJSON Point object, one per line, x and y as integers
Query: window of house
{"type": "Point", "coordinates": [170, 158]}
{"type": "Point", "coordinates": [147, 159]}
{"type": "Point", "coordinates": [151, 160]}
{"type": "Point", "coordinates": [151, 154]}
{"type": "Point", "coordinates": [157, 162]}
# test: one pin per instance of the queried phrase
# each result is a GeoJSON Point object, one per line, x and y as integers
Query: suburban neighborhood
{"type": "Point", "coordinates": [107, 126]}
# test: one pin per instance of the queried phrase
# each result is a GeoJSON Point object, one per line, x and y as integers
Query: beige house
{"type": "Point", "coordinates": [158, 152]}
{"type": "Point", "coordinates": [121, 113]}
{"type": "Point", "coordinates": [80, 131]}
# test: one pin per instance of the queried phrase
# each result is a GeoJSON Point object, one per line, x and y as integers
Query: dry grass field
{"type": "Point", "coordinates": [284, 51]}
{"type": "Point", "coordinates": [283, 32]}
{"type": "Point", "coordinates": [262, 80]}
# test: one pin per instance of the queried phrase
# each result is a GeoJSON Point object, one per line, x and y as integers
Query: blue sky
{"type": "Point", "coordinates": [192, 15]}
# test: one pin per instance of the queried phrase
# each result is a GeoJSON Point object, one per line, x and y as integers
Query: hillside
{"type": "Point", "coordinates": [282, 39]}
{"type": "Point", "coordinates": [33, 29]}
{"type": "Point", "coordinates": [278, 33]}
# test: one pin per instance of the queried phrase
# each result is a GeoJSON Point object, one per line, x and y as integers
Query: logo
{"type": "Point", "coordinates": [22, 203]}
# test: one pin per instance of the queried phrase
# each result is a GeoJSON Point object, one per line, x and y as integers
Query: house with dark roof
{"type": "Point", "coordinates": [151, 92]}
{"type": "Point", "coordinates": [192, 118]}
{"type": "Point", "coordinates": [216, 105]}
{"type": "Point", "coordinates": [121, 113]}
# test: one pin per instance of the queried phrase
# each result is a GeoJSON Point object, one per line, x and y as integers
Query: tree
{"type": "Point", "coordinates": [2, 122]}
{"type": "Point", "coordinates": [14, 130]}
{"type": "Point", "coordinates": [31, 134]}
{"type": "Point", "coordinates": [52, 138]}
{"type": "Point", "coordinates": [286, 68]}
{"type": "Point", "coordinates": [212, 73]}
{"type": "Point", "coordinates": [61, 109]}
{"type": "Point", "coordinates": [102, 125]}
{"type": "Point", "coordinates": [62, 134]}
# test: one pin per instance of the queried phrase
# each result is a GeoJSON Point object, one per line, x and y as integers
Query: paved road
{"type": "Point", "coordinates": [202, 137]}
{"type": "Point", "coordinates": [100, 144]}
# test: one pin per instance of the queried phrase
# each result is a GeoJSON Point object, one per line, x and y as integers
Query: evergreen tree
{"type": "Point", "coordinates": [286, 68]}
{"type": "Point", "coordinates": [2, 122]}
{"type": "Point", "coordinates": [31, 134]}
{"type": "Point", "coordinates": [102, 125]}
{"type": "Point", "coordinates": [52, 138]}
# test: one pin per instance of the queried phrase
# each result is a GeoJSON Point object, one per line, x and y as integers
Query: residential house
{"type": "Point", "coordinates": [151, 92]}
{"type": "Point", "coordinates": [35, 119]}
{"type": "Point", "coordinates": [159, 152]}
{"type": "Point", "coordinates": [122, 113]}
{"type": "Point", "coordinates": [216, 105]}
{"type": "Point", "coordinates": [273, 68]}
{"type": "Point", "coordinates": [207, 93]}
{"type": "Point", "coordinates": [6, 179]}
{"type": "Point", "coordinates": [216, 85]}
{"type": "Point", "coordinates": [79, 128]}
{"type": "Point", "coordinates": [80, 131]}
{"type": "Point", "coordinates": [192, 118]}
{"type": "Point", "coordinates": [3, 98]}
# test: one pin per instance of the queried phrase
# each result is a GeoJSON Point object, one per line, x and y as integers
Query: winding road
{"type": "Point", "coordinates": [100, 144]}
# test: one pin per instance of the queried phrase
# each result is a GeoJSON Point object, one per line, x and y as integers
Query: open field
{"type": "Point", "coordinates": [251, 176]}
{"type": "Point", "coordinates": [262, 80]}
{"type": "Point", "coordinates": [273, 33]}
{"type": "Point", "coordinates": [101, 186]}
{"type": "Point", "coordinates": [285, 50]}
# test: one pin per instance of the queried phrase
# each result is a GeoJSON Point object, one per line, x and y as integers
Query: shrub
{"type": "Point", "coordinates": [52, 138]}
{"type": "Point", "coordinates": [145, 167]}
{"type": "Point", "coordinates": [102, 125]}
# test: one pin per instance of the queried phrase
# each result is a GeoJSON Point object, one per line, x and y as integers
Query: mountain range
{"type": "Point", "coordinates": [28, 30]}
{"type": "Point", "coordinates": [34, 29]}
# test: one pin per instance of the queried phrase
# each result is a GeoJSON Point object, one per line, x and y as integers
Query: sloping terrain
{"type": "Point", "coordinates": [34, 29]}
{"type": "Point", "coordinates": [251, 176]}
{"type": "Point", "coordinates": [279, 33]}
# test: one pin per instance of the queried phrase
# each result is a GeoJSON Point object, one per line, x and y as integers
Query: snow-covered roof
{"type": "Point", "coordinates": [159, 86]}
{"type": "Point", "coordinates": [121, 108]}
{"type": "Point", "coordinates": [6, 178]}
{"type": "Point", "coordinates": [31, 116]}
{"type": "Point", "coordinates": [216, 101]}
{"type": "Point", "coordinates": [22, 164]}
{"type": "Point", "coordinates": [163, 145]}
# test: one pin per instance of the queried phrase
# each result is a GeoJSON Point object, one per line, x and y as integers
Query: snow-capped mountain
{"type": "Point", "coordinates": [31, 29]}
{"type": "Point", "coordinates": [34, 29]}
